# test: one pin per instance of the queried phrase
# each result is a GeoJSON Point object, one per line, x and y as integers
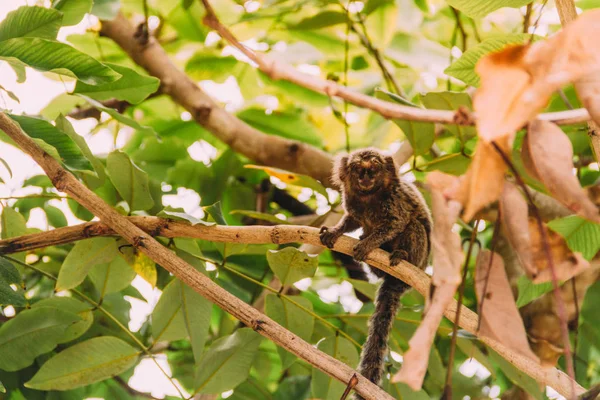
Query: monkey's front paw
{"type": "Point", "coordinates": [398, 256]}
{"type": "Point", "coordinates": [328, 237]}
{"type": "Point", "coordinates": [361, 251]}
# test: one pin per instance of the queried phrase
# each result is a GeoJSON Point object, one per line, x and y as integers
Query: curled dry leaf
{"type": "Point", "coordinates": [545, 338]}
{"type": "Point", "coordinates": [484, 180]}
{"type": "Point", "coordinates": [416, 358]}
{"type": "Point", "coordinates": [445, 244]}
{"type": "Point", "coordinates": [514, 214]}
{"type": "Point", "coordinates": [500, 318]}
{"type": "Point", "coordinates": [517, 82]}
{"type": "Point", "coordinates": [566, 263]}
{"type": "Point", "coordinates": [548, 157]}
{"type": "Point", "coordinates": [447, 259]}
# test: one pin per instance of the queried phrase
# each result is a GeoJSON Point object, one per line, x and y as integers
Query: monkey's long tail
{"type": "Point", "coordinates": [380, 324]}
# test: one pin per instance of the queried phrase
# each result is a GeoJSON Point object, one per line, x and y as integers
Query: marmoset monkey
{"type": "Point", "coordinates": [394, 217]}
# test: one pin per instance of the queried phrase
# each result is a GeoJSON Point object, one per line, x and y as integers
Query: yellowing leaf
{"type": "Point", "coordinates": [292, 178]}
{"type": "Point", "coordinates": [145, 268]}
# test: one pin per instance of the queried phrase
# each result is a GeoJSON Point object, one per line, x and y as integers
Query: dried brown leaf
{"type": "Point", "coordinates": [500, 318]}
{"type": "Point", "coordinates": [514, 213]}
{"type": "Point", "coordinates": [588, 91]}
{"type": "Point", "coordinates": [484, 180]}
{"type": "Point", "coordinates": [447, 260]}
{"type": "Point", "coordinates": [445, 244]}
{"type": "Point", "coordinates": [416, 358]}
{"type": "Point", "coordinates": [497, 103]}
{"type": "Point", "coordinates": [548, 157]}
{"type": "Point", "coordinates": [517, 82]}
{"type": "Point", "coordinates": [566, 263]}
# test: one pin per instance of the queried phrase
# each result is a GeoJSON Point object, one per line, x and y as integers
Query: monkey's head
{"type": "Point", "coordinates": [364, 171]}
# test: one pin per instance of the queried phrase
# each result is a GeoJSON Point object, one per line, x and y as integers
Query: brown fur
{"type": "Point", "coordinates": [395, 218]}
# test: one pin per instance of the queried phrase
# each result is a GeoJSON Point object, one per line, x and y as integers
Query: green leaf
{"type": "Point", "coordinates": [30, 334]}
{"type": "Point", "coordinates": [10, 94]}
{"type": "Point", "coordinates": [322, 385]}
{"type": "Point", "coordinates": [581, 235]}
{"type": "Point", "coordinates": [528, 291]}
{"type": "Point", "coordinates": [85, 363]}
{"type": "Point", "coordinates": [65, 126]}
{"type": "Point", "coordinates": [84, 311]}
{"type": "Point", "coordinates": [322, 20]}
{"type": "Point", "coordinates": [106, 10]}
{"type": "Point", "coordinates": [179, 215]}
{"type": "Point", "coordinates": [145, 267]}
{"type": "Point", "coordinates": [290, 264]}
{"type": "Point", "coordinates": [293, 387]}
{"type": "Point", "coordinates": [30, 22]}
{"type": "Point", "coordinates": [292, 318]}
{"type": "Point", "coordinates": [196, 312]}
{"type": "Point", "coordinates": [227, 362]}
{"type": "Point", "coordinates": [119, 117]}
{"type": "Point", "coordinates": [9, 275]}
{"type": "Point", "coordinates": [481, 8]}
{"type": "Point", "coordinates": [454, 164]}
{"type": "Point", "coordinates": [73, 10]}
{"type": "Point", "coordinates": [451, 101]}
{"type": "Point", "coordinates": [2, 388]}
{"type": "Point", "coordinates": [292, 178]}
{"type": "Point", "coordinates": [260, 216]}
{"type": "Point", "coordinates": [12, 224]}
{"type": "Point", "coordinates": [421, 135]}
{"type": "Point", "coordinates": [82, 258]}
{"type": "Point", "coordinates": [3, 162]}
{"type": "Point", "coordinates": [516, 376]}
{"type": "Point", "coordinates": [188, 22]}
{"type": "Point", "coordinates": [181, 313]}
{"type": "Point", "coordinates": [131, 87]}
{"type": "Point", "coordinates": [111, 277]}
{"type": "Point", "coordinates": [55, 216]}
{"type": "Point", "coordinates": [67, 149]}
{"type": "Point", "coordinates": [464, 67]}
{"type": "Point", "coordinates": [291, 125]}
{"type": "Point", "coordinates": [130, 181]}
{"type": "Point", "coordinates": [47, 55]}
{"type": "Point", "coordinates": [168, 323]}
{"type": "Point", "coordinates": [210, 66]}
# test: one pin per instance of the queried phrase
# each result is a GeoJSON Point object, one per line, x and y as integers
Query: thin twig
{"type": "Point", "coordinates": [460, 27]}
{"type": "Point", "coordinates": [131, 390]}
{"type": "Point", "coordinates": [461, 291]}
{"type": "Point", "coordinates": [527, 17]}
{"type": "Point", "coordinates": [560, 304]}
{"type": "Point", "coordinates": [346, 50]}
{"type": "Point", "coordinates": [489, 268]}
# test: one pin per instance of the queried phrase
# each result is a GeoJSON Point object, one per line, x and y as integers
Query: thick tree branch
{"type": "Point", "coordinates": [242, 138]}
{"type": "Point", "coordinates": [289, 234]}
{"type": "Point", "coordinates": [279, 70]}
{"type": "Point", "coordinates": [66, 182]}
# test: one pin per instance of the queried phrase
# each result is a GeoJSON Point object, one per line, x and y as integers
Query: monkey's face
{"type": "Point", "coordinates": [367, 172]}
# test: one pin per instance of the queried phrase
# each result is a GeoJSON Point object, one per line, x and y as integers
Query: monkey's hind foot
{"type": "Point", "coordinates": [328, 237]}
{"type": "Point", "coordinates": [398, 256]}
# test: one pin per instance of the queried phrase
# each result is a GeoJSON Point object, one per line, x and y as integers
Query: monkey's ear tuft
{"type": "Point", "coordinates": [390, 165]}
{"type": "Point", "coordinates": [340, 169]}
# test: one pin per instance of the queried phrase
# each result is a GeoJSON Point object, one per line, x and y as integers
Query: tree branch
{"type": "Point", "coordinates": [279, 70]}
{"type": "Point", "coordinates": [242, 138]}
{"type": "Point", "coordinates": [66, 182]}
{"type": "Point", "coordinates": [289, 234]}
